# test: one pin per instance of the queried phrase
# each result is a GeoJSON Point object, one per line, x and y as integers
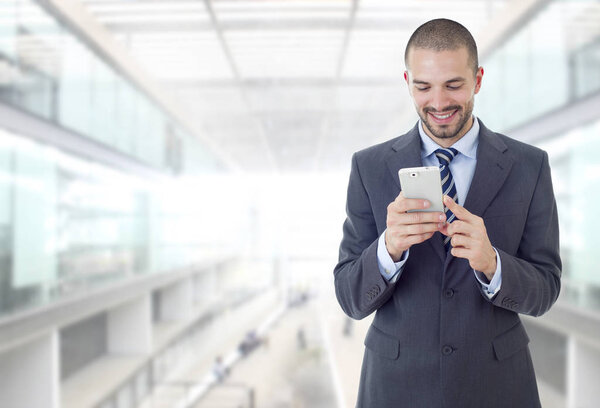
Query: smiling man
{"type": "Point", "coordinates": [447, 287]}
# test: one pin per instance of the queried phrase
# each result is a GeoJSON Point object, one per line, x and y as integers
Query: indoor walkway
{"type": "Point", "coordinates": [289, 370]}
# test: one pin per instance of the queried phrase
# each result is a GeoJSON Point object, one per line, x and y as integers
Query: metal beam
{"type": "Point", "coordinates": [25, 124]}
{"type": "Point", "coordinates": [330, 24]}
{"type": "Point", "coordinates": [558, 121]}
{"type": "Point", "coordinates": [326, 132]}
{"type": "Point", "coordinates": [238, 79]}
{"type": "Point", "coordinates": [286, 82]}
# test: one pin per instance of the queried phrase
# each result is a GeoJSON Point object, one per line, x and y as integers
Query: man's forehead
{"type": "Point", "coordinates": [445, 63]}
{"type": "Point", "coordinates": [459, 53]}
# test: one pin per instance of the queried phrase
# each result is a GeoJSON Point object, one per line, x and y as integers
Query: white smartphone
{"type": "Point", "coordinates": [424, 183]}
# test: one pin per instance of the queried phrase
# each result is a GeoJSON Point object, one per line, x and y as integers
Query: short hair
{"type": "Point", "coordinates": [443, 34]}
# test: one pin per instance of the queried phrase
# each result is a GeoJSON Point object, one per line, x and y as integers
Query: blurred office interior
{"type": "Point", "coordinates": [172, 189]}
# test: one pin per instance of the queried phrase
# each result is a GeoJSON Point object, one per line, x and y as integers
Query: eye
{"type": "Point", "coordinates": [423, 88]}
{"type": "Point", "coordinates": [453, 88]}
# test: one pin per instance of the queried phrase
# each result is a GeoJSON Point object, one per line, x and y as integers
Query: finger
{"type": "Point", "coordinates": [402, 205]}
{"type": "Point", "coordinates": [460, 212]}
{"type": "Point", "coordinates": [462, 241]}
{"type": "Point", "coordinates": [420, 217]}
{"type": "Point", "coordinates": [403, 231]}
{"type": "Point", "coordinates": [460, 252]}
{"type": "Point", "coordinates": [406, 204]}
{"type": "Point", "coordinates": [418, 229]}
{"type": "Point", "coordinates": [401, 241]}
{"type": "Point", "coordinates": [460, 227]}
{"type": "Point", "coordinates": [417, 239]}
{"type": "Point", "coordinates": [444, 229]}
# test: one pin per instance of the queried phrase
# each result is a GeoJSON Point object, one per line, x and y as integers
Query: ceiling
{"type": "Point", "coordinates": [284, 85]}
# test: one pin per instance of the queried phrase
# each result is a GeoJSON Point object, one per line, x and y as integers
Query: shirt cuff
{"type": "Point", "coordinates": [492, 287]}
{"type": "Point", "coordinates": [389, 269]}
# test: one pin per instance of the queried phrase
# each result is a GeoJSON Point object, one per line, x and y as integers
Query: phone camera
{"type": "Point", "coordinates": [413, 174]}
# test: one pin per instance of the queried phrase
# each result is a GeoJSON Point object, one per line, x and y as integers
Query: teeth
{"type": "Point", "coordinates": [442, 116]}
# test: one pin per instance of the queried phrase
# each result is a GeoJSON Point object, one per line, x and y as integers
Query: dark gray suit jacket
{"type": "Point", "coordinates": [436, 339]}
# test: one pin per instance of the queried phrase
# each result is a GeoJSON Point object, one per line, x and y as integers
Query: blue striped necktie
{"type": "Point", "coordinates": [445, 156]}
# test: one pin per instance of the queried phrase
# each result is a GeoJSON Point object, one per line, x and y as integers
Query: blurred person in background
{"type": "Point", "coordinates": [448, 287]}
{"type": "Point", "coordinates": [220, 371]}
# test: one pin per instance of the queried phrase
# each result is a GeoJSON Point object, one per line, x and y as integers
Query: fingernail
{"type": "Point", "coordinates": [440, 225]}
{"type": "Point", "coordinates": [425, 203]}
{"type": "Point", "coordinates": [441, 217]}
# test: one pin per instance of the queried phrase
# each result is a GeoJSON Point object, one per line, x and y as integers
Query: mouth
{"type": "Point", "coordinates": [442, 118]}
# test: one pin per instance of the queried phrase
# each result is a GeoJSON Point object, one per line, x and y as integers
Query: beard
{"type": "Point", "coordinates": [448, 131]}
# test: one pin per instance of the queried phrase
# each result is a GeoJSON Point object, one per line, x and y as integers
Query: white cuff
{"type": "Point", "coordinates": [494, 285]}
{"type": "Point", "coordinates": [389, 269]}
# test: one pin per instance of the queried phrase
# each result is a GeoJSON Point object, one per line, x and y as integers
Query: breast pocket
{"type": "Point", "coordinates": [504, 210]}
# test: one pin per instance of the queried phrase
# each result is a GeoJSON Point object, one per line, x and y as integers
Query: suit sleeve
{"type": "Point", "coordinates": [531, 279]}
{"type": "Point", "coordinates": [359, 286]}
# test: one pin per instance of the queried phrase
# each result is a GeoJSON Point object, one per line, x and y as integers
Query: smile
{"type": "Point", "coordinates": [442, 117]}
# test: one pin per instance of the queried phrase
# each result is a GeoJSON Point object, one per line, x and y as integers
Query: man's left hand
{"type": "Point", "coordinates": [470, 239]}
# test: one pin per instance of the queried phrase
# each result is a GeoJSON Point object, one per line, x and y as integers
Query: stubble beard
{"type": "Point", "coordinates": [444, 131]}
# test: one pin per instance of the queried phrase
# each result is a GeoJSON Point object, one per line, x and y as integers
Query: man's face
{"type": "Point", "coordinates": [443, 88]}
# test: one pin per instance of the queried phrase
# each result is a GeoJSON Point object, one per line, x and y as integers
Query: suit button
{"type": "Point", "coordinates": [449, 293]}
{"type": "Point", "coordinates": [447, 350]}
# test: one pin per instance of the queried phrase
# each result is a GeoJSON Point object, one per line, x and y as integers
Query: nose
{"type": "Point", "coordinates": [439, 99]}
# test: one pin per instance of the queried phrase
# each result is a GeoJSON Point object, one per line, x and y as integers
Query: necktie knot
{"type": "Point", "coordinates": [445, 156]}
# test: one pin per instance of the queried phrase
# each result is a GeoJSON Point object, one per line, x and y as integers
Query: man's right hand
{"type": "Point", "coordinates": [407, 229]}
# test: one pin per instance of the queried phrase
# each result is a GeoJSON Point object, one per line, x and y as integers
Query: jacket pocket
{"type": "Point", "coordinates": [382, 344]}
{"type": "Point", "coordinates": [510, 342]}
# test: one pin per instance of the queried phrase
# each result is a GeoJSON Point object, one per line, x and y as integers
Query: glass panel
{"type": "Point", "coordinates": [34, 217]}
{"type": "Point", "coordinates": [586, 61]}
{"type": "Point", "coordinates": [549, 65]}
{"type": "Point", "coordinates": [75, 91]}
{"type": "Point", "coordinates": [103, 102]}
{"type": "Point", "coordinates": [8, 29]}
{"type": "Point", "coordinates": [127, 118]}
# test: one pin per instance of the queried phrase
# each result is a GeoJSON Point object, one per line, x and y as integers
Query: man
{"type": "Point", "coordinates": [447, 287]}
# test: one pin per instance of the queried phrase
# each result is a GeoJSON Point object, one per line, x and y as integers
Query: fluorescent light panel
{"type": "Point", "coordinates": [276, 5]}
{"type": "Point", "coordinates": [151, 18]}
{"type": "Point", "coordinates": [139, 7]}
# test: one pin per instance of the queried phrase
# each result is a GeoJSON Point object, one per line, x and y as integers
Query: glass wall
{"type": "Point", "coordinates": [48, 71]}
{"type": "Point", "coordinates": [552, 61]}
{"type": "Point", "coordinates": [549, 62]}
{"type": "Point", "coordinates": [68, 225]}
{"type": "Point", "coordinates": [576, 176]}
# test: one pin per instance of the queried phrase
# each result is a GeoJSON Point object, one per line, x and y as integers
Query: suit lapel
{"type": "Point", "coordinates": [491, 171]}
{"type": "Point", "coordinates": [406, 152]}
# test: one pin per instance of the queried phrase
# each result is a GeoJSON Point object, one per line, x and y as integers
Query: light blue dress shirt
{"type": "Point", "coordinates": [462, 168]}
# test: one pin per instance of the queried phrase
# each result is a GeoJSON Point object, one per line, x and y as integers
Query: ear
{"type": "Point", "coordinates": [406, 77]}
{"type": "Point", "coordinates": [478, 78]}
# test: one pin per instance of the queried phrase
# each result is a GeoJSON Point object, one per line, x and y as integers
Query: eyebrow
{"type": "Point", "coordinates": [456, 79]}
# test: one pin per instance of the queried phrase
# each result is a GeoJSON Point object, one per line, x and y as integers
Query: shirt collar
{"type": "Point", "coordinates": [466, 145]}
